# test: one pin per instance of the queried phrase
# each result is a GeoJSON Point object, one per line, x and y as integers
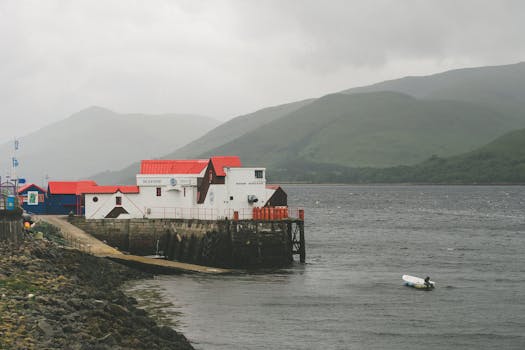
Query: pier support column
{"type": "Point", "coordinates": [302, 246]}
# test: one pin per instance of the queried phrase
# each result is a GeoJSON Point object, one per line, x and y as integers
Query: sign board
{"type": "Point", "coordinates": [21, 181]}
{"type": "Point", "coordinates": [10, 204]}
{"type": "Point", "coordinates": [32, 197]}
{"type": "Point", "coordinates": [166, 181]}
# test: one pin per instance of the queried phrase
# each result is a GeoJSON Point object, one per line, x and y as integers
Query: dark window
{"type": "Point", "coordinates": [231, 198]}
{"type": "Point", "coordinates": [159, 191]}
{"type": "Point", "coordinates": [258, 174]}
{"type": "Point", "coordinates": [118, 200]}
{"type": "Point", "coordinates": [95, 199]}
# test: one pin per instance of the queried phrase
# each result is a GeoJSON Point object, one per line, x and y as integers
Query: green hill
{"type": "Point", "coordinates": [502, 161]}
{"type": "Point", "coordinates": [370, 129]}
{"type": "Point", "coordinates": [398, 122]}
{"type": "Point", "coordinates": [501, 88]}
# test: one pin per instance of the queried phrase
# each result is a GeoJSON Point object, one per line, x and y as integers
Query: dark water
{"type": "Point", "coordinates": [360, 240]}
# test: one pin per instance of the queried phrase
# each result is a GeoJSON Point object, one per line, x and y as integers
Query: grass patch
{"type": "Point", "coordinates": [51, 232]}
{"type": "Point", "coordinates": [19, 284]}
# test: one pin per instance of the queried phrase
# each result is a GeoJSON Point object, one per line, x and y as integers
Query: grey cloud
{"type": "Point", "coordinates": [224, 58]}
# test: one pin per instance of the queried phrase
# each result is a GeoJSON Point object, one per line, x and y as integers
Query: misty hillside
{"type": "Point", "coordinates": [375, 129]}
{"type": "Point", "coordinates": [501, 161]}
{"type": "Point", "coordinates": [399, 122]}
{"type": "Point", "coordinates": [226, 132]}
{"type": "Point", "coordinates": [97, 139]}
{"type": "Point", "coordinates": [497, 87]}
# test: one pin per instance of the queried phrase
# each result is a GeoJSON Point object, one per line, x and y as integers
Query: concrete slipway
{"type": "Point", "coordinates": [90, 244]}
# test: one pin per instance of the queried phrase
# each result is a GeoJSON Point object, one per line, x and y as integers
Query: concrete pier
{"type": "Point", "coordinates": [217, 243]}
{"type": "Point", "coordinates": [84, 241]}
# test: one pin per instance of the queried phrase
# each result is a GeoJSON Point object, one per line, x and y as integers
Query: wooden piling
{"type": "Point", "coordinates": [302, 250]}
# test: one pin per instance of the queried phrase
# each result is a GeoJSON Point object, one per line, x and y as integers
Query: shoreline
{"type": "Point", "coordinates": [55, 297]}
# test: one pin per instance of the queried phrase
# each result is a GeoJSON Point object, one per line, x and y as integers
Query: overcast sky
{"type": "Point", "coordinates": [227, 58]}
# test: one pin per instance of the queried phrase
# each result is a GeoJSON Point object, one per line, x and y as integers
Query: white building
{"type": "Point", "coordinates": [208, 189]}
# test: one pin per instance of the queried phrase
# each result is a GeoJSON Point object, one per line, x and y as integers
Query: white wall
{"type": "Point", "coordinates": [180, 200]}
{"type": "Point", "coordinates": [233, 196]}
{"type": "Point", "coordinates": [106, 202]}
{"type": "Point", "coordinates": [178, 194]}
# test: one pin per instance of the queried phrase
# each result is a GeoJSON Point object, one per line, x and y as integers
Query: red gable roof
{"type": "Point", "coordinates": [28, 186]}
{"type": "Point", "coordinates": [68, 187]}
{"type": "Point", "coordinates": [163, 166]}
{"type": "Point", "coordinates": [219, 163]}
{"type": "Point", "coordinates": [110, 189]}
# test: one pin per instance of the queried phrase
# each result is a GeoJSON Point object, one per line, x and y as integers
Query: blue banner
{"type": "Point", "coordinates": [10, 204]}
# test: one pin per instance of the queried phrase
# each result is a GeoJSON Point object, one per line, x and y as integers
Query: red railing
{"type": "Point", "coordinates": [266, 213]}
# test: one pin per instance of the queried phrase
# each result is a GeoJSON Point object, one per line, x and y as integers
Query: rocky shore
{"type": "Point", "coordinates": [52, 297]}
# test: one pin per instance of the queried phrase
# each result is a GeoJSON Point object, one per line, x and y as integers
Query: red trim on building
{"type": "Point", "coordinates": [163, 166]}
{"type": "Point", "coordinates": [188, 166]}
{"type": "Point", "coordinates": [69, 187]}
{"type": "Point", "coordinates": [28, 186]}
{"type": "Point", "coordinates": [221, 162]}
{"type": "Point", "coordinates": [109, 189]}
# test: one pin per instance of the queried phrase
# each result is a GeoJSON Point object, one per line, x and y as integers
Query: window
{"type": "Point", "coordinates": [258, 174]}
{"type": "Point", "coordinates": [118, 200]}
{"type": "Point", "coordinates": [159, 192]}
{"type": "Point", "coordinates": [95, 199]}
{"type": "Point", "coordinates": [231, 198]}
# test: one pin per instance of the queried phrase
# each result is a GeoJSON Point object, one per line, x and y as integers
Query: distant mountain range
{"type": "Point", "coordinates": [393, 123]}
{"type": "Point", "coordinates": [500, 88]}
{"type": "Point", "coordinates": [97, 139]}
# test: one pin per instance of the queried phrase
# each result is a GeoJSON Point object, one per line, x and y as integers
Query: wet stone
{"type": "Point", "coordinates": [77, 303]}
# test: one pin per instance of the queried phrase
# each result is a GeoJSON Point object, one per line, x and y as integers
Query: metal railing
{"type": "Point", "coordinates": [183, 213]}
{"type": "Point", "coordinates": [267, 213]}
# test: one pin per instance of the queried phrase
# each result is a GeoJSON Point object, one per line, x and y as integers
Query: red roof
{"type": "Point", "coordinates": [162, 166]}
{"type": "Point", "coordinates": [28, 186]}
{"type": "Point", "coordinates": [110, 189]}
{"type": "Point", "coordinates": [273, 187]}
{"type": "Point", "coordinates": [68, 187]}
{"type": "Point", "coordinates": [219, 163]}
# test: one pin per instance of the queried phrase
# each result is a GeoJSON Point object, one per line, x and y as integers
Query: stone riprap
{"type": "Point", "coordinates": [57, 298]}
